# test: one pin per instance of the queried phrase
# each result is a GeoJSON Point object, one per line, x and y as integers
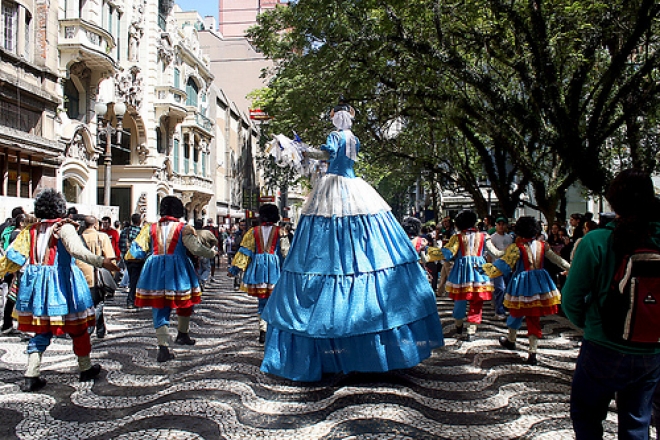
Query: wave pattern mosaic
{"type": "Point", "coordinates": [215, 390]}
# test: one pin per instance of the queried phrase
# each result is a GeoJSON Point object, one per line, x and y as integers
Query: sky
{"type": "Point", "coordinates": [204, 7]}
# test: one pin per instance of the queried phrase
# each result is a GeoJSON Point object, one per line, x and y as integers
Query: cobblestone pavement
{"type": "Point", "coordinates": [214, 390]}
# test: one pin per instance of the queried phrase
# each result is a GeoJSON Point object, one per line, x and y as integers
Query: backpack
{"type": "Point", "coordinates": [631, 310]}
{"type": "Point", "coordinates": [5, 237]}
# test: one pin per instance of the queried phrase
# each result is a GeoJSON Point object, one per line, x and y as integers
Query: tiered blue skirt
{"type": "Point", "coordinates": [352, 295]}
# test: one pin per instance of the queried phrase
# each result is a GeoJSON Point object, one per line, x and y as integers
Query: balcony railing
{"type": "Point", "coordinates": [195, 119]}
{"type": "Point", "coordinates": [203, 121]}
{"type": "Point", "coordinates": [191, 180]}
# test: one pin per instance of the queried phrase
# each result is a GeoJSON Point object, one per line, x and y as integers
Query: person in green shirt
{"type": "Point", "coordinates": [605, 367]}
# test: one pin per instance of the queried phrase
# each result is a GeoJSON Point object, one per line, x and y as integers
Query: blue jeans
{"type": "Point", "coordinates": [600, 373]}
{"type": "Point", "coordinates": [204, 271]}
{"type": "Point", "coordinates": [498, 295]}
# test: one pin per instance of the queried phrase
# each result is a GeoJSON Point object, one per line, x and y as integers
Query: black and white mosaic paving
{"type": "Point", "coordinates": [215, 390]}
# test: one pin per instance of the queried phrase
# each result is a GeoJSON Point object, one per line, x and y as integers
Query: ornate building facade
{"type": "Point", "coordinates": [111, 102]}
{"type": "Point", "coordinates": [30, 156]}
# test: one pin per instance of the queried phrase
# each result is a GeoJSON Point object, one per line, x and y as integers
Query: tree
{"type": "Point", "coordinates": [529, 91]}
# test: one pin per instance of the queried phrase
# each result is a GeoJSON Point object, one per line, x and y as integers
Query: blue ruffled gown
{"type": "Point", "coordinates": [352, 295]}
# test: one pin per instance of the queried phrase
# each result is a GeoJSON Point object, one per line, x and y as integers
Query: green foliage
{"type": "Point", "coordinates": [525, 93]}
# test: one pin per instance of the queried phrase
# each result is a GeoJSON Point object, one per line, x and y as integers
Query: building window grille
{"type": "Point", "coordinates": [9, 26]}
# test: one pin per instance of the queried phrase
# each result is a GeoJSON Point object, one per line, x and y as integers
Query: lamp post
{"type": "Point", "coordinates": [489, 191]}
{"type": "Point", "coordinates": [119, 109]}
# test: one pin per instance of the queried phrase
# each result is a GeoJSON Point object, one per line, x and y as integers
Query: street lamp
{"type": "Point", "coordinates": [101, 109]}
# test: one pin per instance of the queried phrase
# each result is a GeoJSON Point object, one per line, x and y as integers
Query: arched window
{"type": "Point", "coordinates": [192, 89]}
{"type": "Point", "coordinates": [71, 99]}
{"type": "Point", "coordinates": [160, 142]}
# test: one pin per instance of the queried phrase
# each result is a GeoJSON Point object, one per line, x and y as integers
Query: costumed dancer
{"type": "Point", "coordinates": [531, 293]}
{"type": "Point", "coordinates": [260, 257]}
{"type": "Point", "coordinates": [53, 296]}
{"type": "Point", "coordinates": [466, 281]}
{"type": "Point", "coordinates": [352, 295]}
{"type": "Point", "coordinates": [168, 279]}
{"type": "Point", "coordinates": [413, 228]}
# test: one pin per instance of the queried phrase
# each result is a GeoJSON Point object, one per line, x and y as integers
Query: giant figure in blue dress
{"type": "Point", "coordinates": [352, 295]}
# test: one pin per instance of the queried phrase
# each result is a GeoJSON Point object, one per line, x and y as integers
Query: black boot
{"type": "Point", "coordinates": [92, 373]}
{"type": "Point", "coordinates": [459, 330]}
{"type": "Point", "coordinates": [531, 360]}
{"type": "Point", "coordinates": [504, 342]}
{"type": "Point", "coordinates": [34, 384]}
{"type": "Point", "coordinates": [164, 354]}
{"type": "Point", "coordinates": [184, 339]}
{"type": "Point", "coordinates": [262, 336]}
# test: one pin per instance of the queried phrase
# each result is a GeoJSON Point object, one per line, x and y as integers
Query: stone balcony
{"type": "Point", "coordinates": [198, 121]}
{"type": "Point", "coordinates": [170, 101]}
{"type": "Point", "coordinates": [81, 40]}
{"type": "Point", "coordinates": [203, 184]}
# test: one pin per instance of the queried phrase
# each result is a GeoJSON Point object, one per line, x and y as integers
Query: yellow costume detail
{"type": "Point", "coordinates": [21, 245]}
{"type": "Point", "coordinates": [453, 245]}
{"type": "Point", "coordinates": [511, 255]}
{"type": "Point", "coordinates": [141, 240]}
{"type": "Point", "coordinates": [240, 259]}
{"type": "Point", "coordinates": [435, 254]}
{"type": "Point", "coordinates": [491, 270]}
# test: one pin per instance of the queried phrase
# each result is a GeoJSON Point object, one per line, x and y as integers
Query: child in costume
{"type": "Point", "coordinates": [530, 293]}
{"type": "Point", "coordinates": [466, 281]}
{"type": "Point", "coordinates": [168, 279]}
{"type": "Point", "coordinates": [53, 296]}
{"type": "Point", "coordinates": [260, 257]}
{"type": "Point", "coordinates": [413, 228]}
{"type": "Point", "coordinates": [352, 295]}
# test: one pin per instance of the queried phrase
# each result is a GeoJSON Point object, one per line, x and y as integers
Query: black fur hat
{"type": "Point", "coordinates": [465, 220]}
{"type": "Point", "coordinates": [172, 206]}
{"type": "Point", "coordinates": [49, 204]}
{"type": "Point", "coordinates": [412, 226]}
{"type": "Point", "coordinates": [528, 227]}
{"type": "Point", "coordinates": [269, 213]}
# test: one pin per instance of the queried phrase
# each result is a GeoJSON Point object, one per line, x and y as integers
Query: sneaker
{"type": "Point", "coordinates": [34, 384]}
{"type": "Point", "coordinates": [164, 354]}
{"type": "Point", "coordinates": [92, 373]}
{"type": "Point", "coordinates": [130, 306]}
{"type": "Point", "coordinates": [504, 342]}
{"type": "Point", "coordinates": [500, 317]}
